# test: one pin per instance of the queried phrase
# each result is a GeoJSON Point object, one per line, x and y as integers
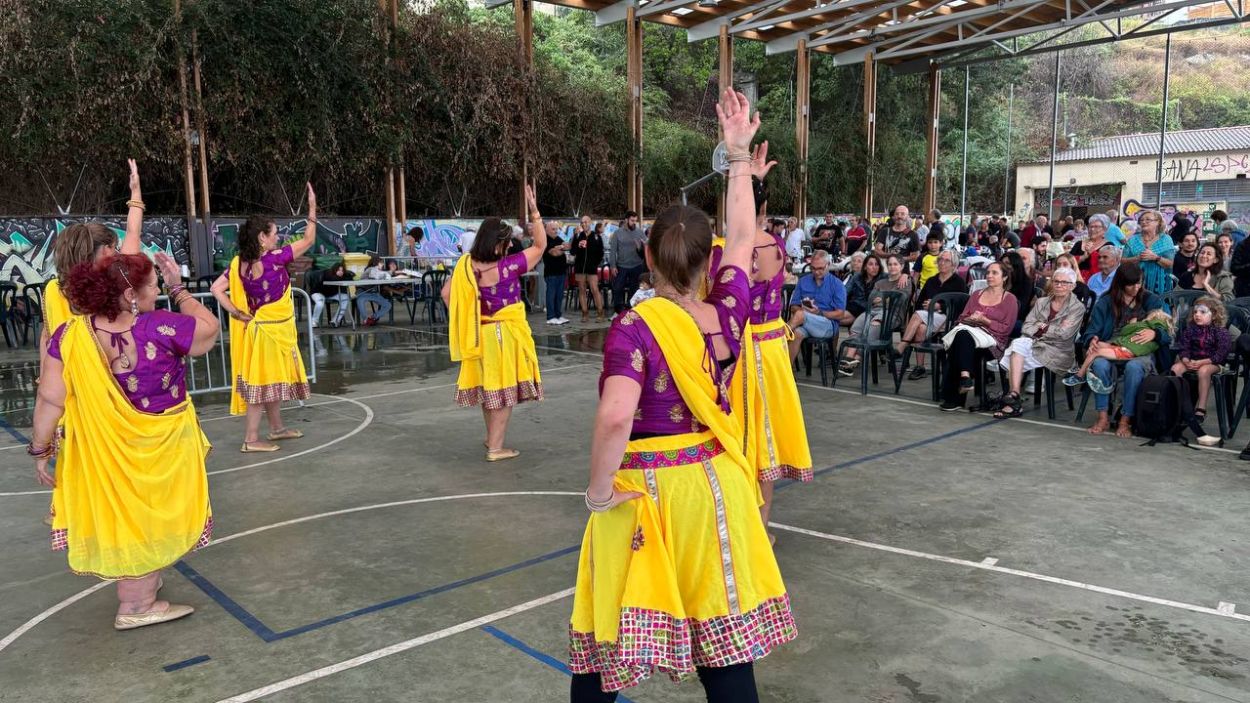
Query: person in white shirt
{"type": "Point", "coordinates": [466, 240]}
{"type": "Point", "coordinates": [795, 236]}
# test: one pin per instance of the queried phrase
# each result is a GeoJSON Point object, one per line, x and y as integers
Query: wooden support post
{"type": "Point", "coordinates": [802, 125]}
{"type": "Point", "coordinates": [932, 122]}
{"type": "Point", "coordinates": [388, 249]}
{"type": "Point", "coordinates": [725, 64]}
{"type": "Point", "coordinates": [523, 15]}
{"type": "Point", "coordinates": [188, 162]}
{"type": "Point", "coordinates": [201, 127]}
{"type": "Point", "coordinates": [633, 41]}
{"type": "Point", "coordinates": [401, 199]}
{"type": "Point", "coordinates": [870, 129]}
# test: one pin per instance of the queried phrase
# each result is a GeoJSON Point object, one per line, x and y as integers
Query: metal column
{"type": "Point", "coordinates": [1163, 119]}
{"type": "Point", "coordinates": [1054, 139]}
{"type": "Point", "coordinates": [633, 42]}
{"type": "Point", "coordinates": [1011, 99]}
{"type": "Point", "coordinates": [523, 17]}
{"type": "Point", "coordinates": [870, 129]}
{"type": "Point", "coordinates": [963, 178]}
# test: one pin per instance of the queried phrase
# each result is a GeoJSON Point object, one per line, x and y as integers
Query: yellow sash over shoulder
{"type": "Point", "coordinates": [132, 493]}
{"type": "Point", "coordinates": [265, 361]}
{"type": "Point", "coordinates": [56, 310]}
{"type": "Point", "coordinates": [465, 313]}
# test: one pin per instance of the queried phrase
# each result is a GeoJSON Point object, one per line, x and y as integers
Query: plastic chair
{"type": "Point", "coordinates": [976, 273]}
{"type": "Point", "coordinates": [953, 305]}
{"type": "Point", "coordinates": [8, 294]}
{"type": "Point", "coordinates": [433, 282]}
{"type": "Point", "coordinates": [893, 305]}
{"type": "Point", "coordinates": [1224, 383]}
{"type": "Point", "coordinates": [34, 305]}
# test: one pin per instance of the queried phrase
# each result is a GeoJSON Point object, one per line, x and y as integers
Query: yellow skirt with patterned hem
{"type": "Point", "coordinates": [776, 443]}
{"type": "Point", "coordinates": [271, 369]}
{"type": "Point", "coordinates": [683, 577]}
{"type": "Point", "coordinates": [507, 371]}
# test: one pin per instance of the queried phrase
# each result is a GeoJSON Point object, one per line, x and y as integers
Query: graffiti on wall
{"type": "Point", "coordinates": [1200, 211]}
{"type": "Point", "coordinates": [27, 243]}
{"type": "Point", "coordinates": [441, 238]}
{"type": "Point", "coordinates": [335, 236]}
{"type": "Point", "coordinates": [1189, 169]}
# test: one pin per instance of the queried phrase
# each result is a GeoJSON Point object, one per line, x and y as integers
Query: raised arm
{"type": "Point", "coordinates": [301, 246]}
{"type": "Point", "coordinates": [206, 323]}
{"type": "Point", "coordinates": [537, 230]}
{"type": "Point", "coordinates": [739, 126]}
{"type": "Point", "coordinates": [134, 213]}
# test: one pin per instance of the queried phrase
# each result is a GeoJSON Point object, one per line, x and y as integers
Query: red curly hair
{"type": "Point", "coordinates": [96, 288]}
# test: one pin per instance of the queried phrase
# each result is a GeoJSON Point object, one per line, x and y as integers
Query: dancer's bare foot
{"type": "Point", "coordinates": [1101, 426]}
{"type": "Point", "coordinates": [1124, 431]}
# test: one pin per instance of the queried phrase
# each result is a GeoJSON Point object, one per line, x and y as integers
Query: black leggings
{"type": "Point", "coordinates": [723, 684]}
{"type": "Point", "coordinates": [959, 358]}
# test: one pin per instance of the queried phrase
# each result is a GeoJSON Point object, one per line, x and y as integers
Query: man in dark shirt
{"type": "Point", "coordinates": [897, 237]}
{"type": "Point", "coordinates": [556, 273]}
{"type": "Point", "coordinates": [828, 235]}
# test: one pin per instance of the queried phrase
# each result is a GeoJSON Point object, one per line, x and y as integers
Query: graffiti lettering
{"type": "Point", "coordinates": [1190, 169]}
{"type": "Point", "coordinates": [26, 244]}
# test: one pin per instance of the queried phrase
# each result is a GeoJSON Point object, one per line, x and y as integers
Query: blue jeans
{"type": "Point", "coordinates": [818, 327]}
{"type": "Point", "coordinates": [1134, 371]}
{"type": "Point", "coordinates": [555, 296]}
{"type": "Point", "coordinates": [371, 296]}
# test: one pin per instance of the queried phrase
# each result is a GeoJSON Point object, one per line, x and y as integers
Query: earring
{"type": "Point", "coordinates": [134, 308]}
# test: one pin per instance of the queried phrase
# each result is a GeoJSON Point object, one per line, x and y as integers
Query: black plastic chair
{"type": "Point", "coordinates": [953, 306]}
{"type": "Point", "coordinates": [8, 294]}
{"type": "Point", "coordinates": [1224, 383]}
{"type": "Point", "coordinates": [893, 306]}
{"type": "Point", "coordinates": [433, 282]}
{"type": "Point", "coordinates": [34, 305]}
{"type": "Point", "coordinates": [823, 349]}
{"type": "Point", "coordinates": [1179, 302]}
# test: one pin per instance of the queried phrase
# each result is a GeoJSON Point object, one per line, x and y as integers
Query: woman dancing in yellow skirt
{"type": "Point", "coordinates": [763, 389]}
{"type": "Point", "coordinates": [265, 360]}
{"type": "Point", "coordinates": [131, 494]}
{"type": "Point", "coordinates": [489, 334]}
{"type": "Point", "coordinates": [676, 574]}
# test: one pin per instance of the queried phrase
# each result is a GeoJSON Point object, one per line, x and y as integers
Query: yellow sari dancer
{"type": "Point", "coordinates": [676, 574]}
{"type": "Point", "coordinates": [131, 494]}
{"type": "Point", "coordinates": [265, 361]}
{"type": "Point", "coordinates": [488, 332]}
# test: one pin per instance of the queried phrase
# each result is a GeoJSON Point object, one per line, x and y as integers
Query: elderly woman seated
{"type": "Point", "coordinates": [1047, 338]}
{"type": "Point", "coordinates": [946, 281]}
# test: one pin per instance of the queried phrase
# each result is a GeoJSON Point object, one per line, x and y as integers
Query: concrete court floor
{"type": "Point", "coordinates": [907, 614]}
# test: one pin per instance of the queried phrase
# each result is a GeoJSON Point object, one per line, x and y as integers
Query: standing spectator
{"type": "Point", "coordinates": [1108, 262]}
{"type": "Point", "coordinates": [1153, 252]}
{"type": "Point", "coordinates": [1224, 242]}
{"type": "Point", "coordinates": [1128, 301]}
{"type": "Point", "coordinates": [936, 225]}
{"type": "Point", "coordinates": [1231, 229]}
{"type": "Point", "coordinates": [556, 273]}
{"type": "Point", "coordinates": [337, 272]}
{"type": "Point", "coordinates": [1115, 234]}
{"type": "Point", "coordinates": [826, 236]}
{"type": "Point", "coordinates": [466, 240]}
{"type": "Point", "coordinates": [409, 249]}
{"type": "Point", "coordinates": [897, 237]}
{"type": "Point", "coordinates": [794, 243]}
{"type": "Point", "coordinates": [793, 229]}
{"type": "Point", "coordinates": [1181, 226]}
{"type": "Point", "coordinates": [587, 257]}
{"type": "Point", "coordinates": [1039, 225]}
{"type": "Point", "coordinates": [821, 300]}
{"type": "Point", "coordinates": [856, 237]}
{"type": "Point", "coordinates": [625, 255]}
{"type": "Point", "coordinates": [1086, 250]}
{"type": "Point", "coordinates": [986, 323]}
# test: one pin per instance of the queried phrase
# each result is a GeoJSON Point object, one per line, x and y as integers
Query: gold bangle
{"type": "Point", "coordinates": [136, 203]}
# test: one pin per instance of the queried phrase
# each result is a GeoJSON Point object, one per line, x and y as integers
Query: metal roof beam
{"type": "Point", "coordinates": [492, 4]}
{"type": "Point", "coordinates": [657, 8]}
{"type": "Point", "coordinates": [804, 14]}
{"type": "Point", "coordinates": [982, 37]}
{"type": "Point", "coordinates": [614, 13]}
{"type": "Point", "coordinates": [944, 21]}
{"type": "Point", "coordinates": [711, 28]}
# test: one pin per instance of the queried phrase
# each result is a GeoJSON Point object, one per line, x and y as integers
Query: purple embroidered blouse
{"type": "Point", "coordinates": [158, 380]}
{"type": "Point", "coordinates": [273, 281]}
{"type": "Point", "coordinates": [508, 290]}
{"type": "Point", "coordinates": [766, 299]}
{"type": "Point", "coordinates": [631, 351]}
{"type": "Point", "coordinates": [1205, 342]}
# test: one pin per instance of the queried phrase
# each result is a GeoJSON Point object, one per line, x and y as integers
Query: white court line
{"type": "Point", "coordinates": [396, 648]}
{"type": "Point", "coordinates": [12, 636]}
{"type": "Point", "coordinates": [1220, 612]}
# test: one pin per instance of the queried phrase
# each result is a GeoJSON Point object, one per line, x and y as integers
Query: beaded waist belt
{"type": "Point", "coordinates": [674, 457]}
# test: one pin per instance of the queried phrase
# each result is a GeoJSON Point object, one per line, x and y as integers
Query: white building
{"type": "Point", "coordinates": [1203, 170]}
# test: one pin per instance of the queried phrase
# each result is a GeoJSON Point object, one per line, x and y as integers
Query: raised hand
{"type": "Point", "coordinates": [531, 201]}
{"type": "Point", "coordinates": [169, 269]}
{"type": "Point", "coordinates": [134, 179]}
{"type": "Point", "coordinates": [760, 165]}
{"type": "Point", "coordinates": [736, 121]}
{"type": "Point", "coordinates": [312, 204]}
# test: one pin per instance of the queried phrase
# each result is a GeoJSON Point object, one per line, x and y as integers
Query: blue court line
{"type": "Point", "coordinates": [13, 432]}
{"type": "Point", "coordinates": [540, 656]}
{"type": "Point", "coordinates": [186, 662]}
{"type": "Point", "coordinates": [262, 631]}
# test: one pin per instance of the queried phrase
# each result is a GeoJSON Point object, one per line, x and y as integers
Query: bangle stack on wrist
{"type": "Point", "coordinates": [47, 451]}
{"type": "Point", "coordinates": [179, 294]}
{"type": "Point", "coordinates": [595, 506]}
{"type": "Point", "coordinates": [136, 203]}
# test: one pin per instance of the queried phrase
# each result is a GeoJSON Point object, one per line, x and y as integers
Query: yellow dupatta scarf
{"type": "Point", "coordinates": [132, 484]}
{"type": "Point", "coordinates": [465, 313]}
{"type": "Point", "coordinates": [681, 342]}
{"type": "Point", "coordinates": [56, 310]}
{"type": "Point", "coordinates": [243, 336]}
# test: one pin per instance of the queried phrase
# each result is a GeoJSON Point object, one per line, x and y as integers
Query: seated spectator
{"type": "Point", "coordinates": [1186, 259]}
{"type": "Point", "coordinates": [1048, 338]}
{"type": "Point", "coordinates": [1209, 275]}
{"type": "Point", "coordinates": [916, 330]}
{"type": "Point", "coordinates": [1201, 348]}
{"type": "Point", "coordinates": [1021, 284]}
{"type": "Point", "coordinates": [337, 272]}
{"type": "Point", "coordinates": [1125, 303]}
{"type": "Point", "coordinates": [646, 290]}
{"type": "Point", "coordinates": [364, 296]}
{"type": "Point", "coordinates": [985, 323]}
{"type": "Point", "coordinates": [1080, 290]}
{"type": "Point", "coordinates": [1241, 268]}
{"type": "Point", "coordinates": [821, 299]}
{"type": "Point", "coordinates": [869, 322]}
{"type": "Point", "coordinates": [850, 266]}
{"type": "Point", "coordinates": [1108, 262]}
{"type": "Point", "coordinates": [859, 286]}
{"type": "Point", "coordinates": [410, 247]}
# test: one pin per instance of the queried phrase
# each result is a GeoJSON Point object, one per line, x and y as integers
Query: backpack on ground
{"type": "Point", "coordinates": [1164, 409]}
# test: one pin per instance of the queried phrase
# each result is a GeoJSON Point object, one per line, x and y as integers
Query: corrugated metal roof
{"type": "Point", "coordinates": [1190, 141]}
